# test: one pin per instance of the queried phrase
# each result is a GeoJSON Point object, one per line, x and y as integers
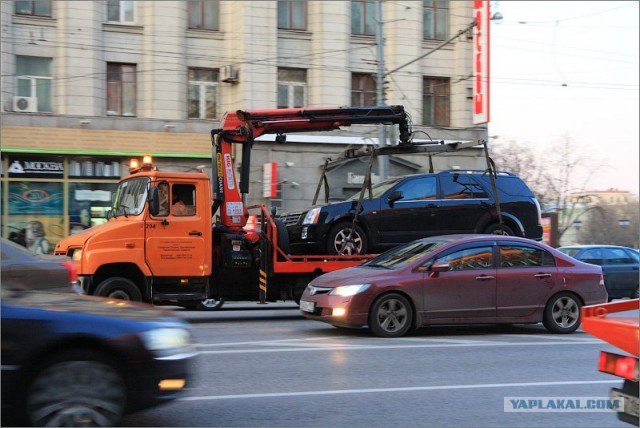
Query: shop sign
{"type": "Point", "coordinates": [36, 167]}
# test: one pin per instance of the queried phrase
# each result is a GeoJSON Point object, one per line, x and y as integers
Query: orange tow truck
{"type": "Point", "coordinates": [622, 332]}
{"type": "Point", "coordinates": [150, 251]}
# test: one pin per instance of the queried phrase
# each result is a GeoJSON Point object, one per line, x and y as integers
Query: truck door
{"type": "Point", "coordinates": [178, 239]}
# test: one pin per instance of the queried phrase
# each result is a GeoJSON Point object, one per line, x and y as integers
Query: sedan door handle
{"type": "Point", "coordinates": [485, 277]}
{"type": "Point", "coordinates": [543, 275]}
{"type": "Point", "coordinates": [195, 233]}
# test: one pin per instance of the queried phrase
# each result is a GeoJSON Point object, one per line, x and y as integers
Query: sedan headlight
{"type": "Point", "coordinates": [349, 290]}
{"type": "Point", "coordinates": [167, 341]}
{"type": "Point", "coordinates": [312, 216]}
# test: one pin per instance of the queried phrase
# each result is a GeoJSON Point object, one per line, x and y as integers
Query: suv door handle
{"type": "Point", "coordinates": [195, 233]}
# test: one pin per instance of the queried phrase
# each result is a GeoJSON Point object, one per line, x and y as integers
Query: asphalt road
{"type": "Point", "coordinates": [266, 366]}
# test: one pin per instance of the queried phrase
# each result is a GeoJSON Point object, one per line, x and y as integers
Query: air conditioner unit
{"type": "Point", "coordinates": [230, 74]}
{"type": "Point", "coordinates": [25, 104]}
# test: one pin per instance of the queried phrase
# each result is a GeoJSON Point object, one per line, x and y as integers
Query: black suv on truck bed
{"type": "Point", "coordinates": [416, 206]}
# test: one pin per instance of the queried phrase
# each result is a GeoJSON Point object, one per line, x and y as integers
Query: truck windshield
{"type": "Point", "coordinates": [130, 197]}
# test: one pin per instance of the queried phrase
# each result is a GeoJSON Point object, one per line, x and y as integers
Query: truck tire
{"type": "Point", "coordinates": [336, 240]}
{"type": "Point", "coordinates": [562, 313]}
{"type": "Point", "coordinates": [210, 304]}
{"type": "Point", "coordinates": [119, 288]}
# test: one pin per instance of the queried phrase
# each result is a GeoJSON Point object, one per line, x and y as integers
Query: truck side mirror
{"type": "Point", "coordinates": [396, 195]}
{"type": "Point", "coordinates": [154, 201]}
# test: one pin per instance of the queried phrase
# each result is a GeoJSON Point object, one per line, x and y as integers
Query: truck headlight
{"type": "Point", "coordinates": [77, 255]}
{"type": "Point", "coordinates": [312, 216]}
{"type": "Point", "coordinates": [349, 290]}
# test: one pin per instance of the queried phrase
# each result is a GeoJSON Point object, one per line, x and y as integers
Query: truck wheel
{"type": "Point", "coordinates": [119, 288]}
{"type": "Point", "coordinates": [210, 304]}
{"type": "Point", "coordinates": [390, 316]}
{"type": "Point", "coordinates": [495, 229]}
{"type": "Point", "coordinates": [76, 389]}
{"type": "Point", "coordinates": [562, 313]}
{"type": "Point", "coordinates": [343, 240]}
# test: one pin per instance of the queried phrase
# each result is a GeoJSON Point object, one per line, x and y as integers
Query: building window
{"type": "Point", "coordinates": [34, 8]}
{"type": "Point", "coordinates": [203, 93]}
{"type": "Point", "coordinates": [363, 90]}
{"type": "Point", "coordinates": [203, 14]}
{"type": "Point", "coordinates": [121, 11]}
{"type": "Point", "coordinates": [436, 18]}
{"type": "Point", "coordinates": [292, 14]}
{"type": "Point", "coordinates": [292, 87]}
{"type": "Point", "coordinates": [121, 89]}
{"type": "Point", "coordinates": [363, 17]}
{"type": "Point", "coordinates": [33, 75]}
{"type": "Point", "coordinates": [435, 102]}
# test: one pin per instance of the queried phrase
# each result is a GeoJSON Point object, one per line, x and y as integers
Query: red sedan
{"type": "Point", "coordinates": [457, 279]}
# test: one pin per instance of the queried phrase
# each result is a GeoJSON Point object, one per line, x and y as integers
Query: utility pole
{"type": "Point", "coordinates": [383, 161]}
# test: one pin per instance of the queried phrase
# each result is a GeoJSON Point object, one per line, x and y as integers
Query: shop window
{"type": "Point", "coordinates": [203, 93]}
{"type": "Point", "coordinates": [35, 211]}
{"type": "Point", "coordinates": [121, 89]}
{"type": "Point", "coordinates": [203, 14]}
{"type": "Point", "coordinates": [88, 204]}
{"type": "Point", "coordinates": [33, 8]}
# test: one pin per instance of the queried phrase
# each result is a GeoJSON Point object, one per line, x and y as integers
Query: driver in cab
{"type": "Point", "coordinates": [177, 206]}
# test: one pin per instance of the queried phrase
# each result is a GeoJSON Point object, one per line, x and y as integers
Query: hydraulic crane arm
{"type": "Point", "coordinates": [243, 127]}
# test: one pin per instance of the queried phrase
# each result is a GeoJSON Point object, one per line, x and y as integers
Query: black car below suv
{"type": "Point", "coordinates": [405, 208]}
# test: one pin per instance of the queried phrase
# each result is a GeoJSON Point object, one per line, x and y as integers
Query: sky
{"type": "Point", "coordinates": [569, 69]}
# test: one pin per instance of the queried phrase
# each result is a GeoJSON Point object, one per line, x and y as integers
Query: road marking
{"type": "Point", "coordinates": [562, 337]}
{"type": "Point", "coordinates": [347, 347]}
{"type": "Point", "coordinates": [265, 342]}
{"type": "Point", "coordinates": [387, 390]}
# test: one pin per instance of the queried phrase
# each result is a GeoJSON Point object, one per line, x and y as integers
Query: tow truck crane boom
{"type": "Point", "coordinates": [244, 126]}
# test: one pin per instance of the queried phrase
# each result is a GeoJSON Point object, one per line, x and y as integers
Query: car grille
{"type": "Point", "coordinates": [291, 219]}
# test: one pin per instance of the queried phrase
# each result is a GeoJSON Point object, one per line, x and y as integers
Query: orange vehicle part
{"type": "Point", "coordinates": [620, 331]}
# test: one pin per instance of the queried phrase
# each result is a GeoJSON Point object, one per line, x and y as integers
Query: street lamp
{"type": "Point", "coordinates": [624, 223]}
{"type": "Point", "coordinates": [577, 224]}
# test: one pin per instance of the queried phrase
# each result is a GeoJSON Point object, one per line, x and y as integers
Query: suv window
{"type": "Point", "coordinates": [616, 256]}
{"type": "Point", "coordinates": [592, 255]}
{"type": "Point", "coordinates": [419, 189]}
{"type": "Point", "coordinates": [457, 186]}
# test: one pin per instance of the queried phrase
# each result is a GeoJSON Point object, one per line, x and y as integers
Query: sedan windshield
{"type": "Point", "coordinates": [405, 254]}
{"type": "Point", "coordinates": [130, 196]}
{"type": "Point", "coordinates": [377, 190]}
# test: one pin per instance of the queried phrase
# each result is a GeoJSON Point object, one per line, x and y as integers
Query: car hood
{"type": "Point", "coordinates": [354, 275]}
{"type": "Point", "coordinates": [86, 305]}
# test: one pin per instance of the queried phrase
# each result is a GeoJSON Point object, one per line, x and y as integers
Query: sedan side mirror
{"type": "Point", "coordinates": [438, 267]}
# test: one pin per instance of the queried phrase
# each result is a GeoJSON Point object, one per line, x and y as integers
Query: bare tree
{"type": "Point", "coordinates": [614, 224]}
{"type": "Point", "coordinates": [557, 177]}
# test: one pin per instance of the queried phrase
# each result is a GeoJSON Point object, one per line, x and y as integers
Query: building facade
{"type": "Point", "coordinates": [88, 85]}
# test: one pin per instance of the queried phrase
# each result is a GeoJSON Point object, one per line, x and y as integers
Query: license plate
{"type": "Point", "coordinates": [307, 306]}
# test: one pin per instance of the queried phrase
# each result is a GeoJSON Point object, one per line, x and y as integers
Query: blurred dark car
{"type": "Point", "coordinates": [22, 268]}
{"type": "Point", "coordinates": [77, 360]}
{"type": "Point", "coordinates": [457, 279]}
{"type": "Point", "coordinates": [619, 266]}
{"type": "Point", "coordinates": [416, 206]}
